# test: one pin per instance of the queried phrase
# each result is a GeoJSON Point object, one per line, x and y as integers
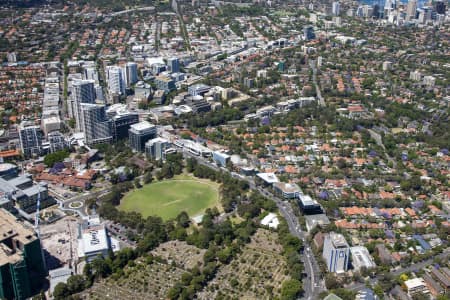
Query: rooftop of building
{"type": "Point", "coordinates": [222, 154]}
{"type": "Point", "coordinates": [142, 126]}
{"type": "Point", "coordinates": [414, 283]}
{"type": "Point", "coordinates": [338, 240]}
{"type": "Point", "coordinates": [52, 119]}
{"type": "Point", "coordinates": [82, 81]}
{"type": "Point", "coordinates": [287, 187]}
{"type": "Point", "coordinates": [7, 167]}
{"type": "Point", "coordinates": [361, 257]}
{"type": "Point", "coordinates": [268, 177]}
{"type": "Point", "coordinates": [318, 219]}
{"type": "Point", "coordinates": [307, 200]}
{"type": "Point", "coordinates": [20, 180]}
{"type": "Point", "coordinates": [10, 227]}
{"type": "Point", "coordinates": [94, 239]}
{"type": "Point", "coordinates": [157, 140]}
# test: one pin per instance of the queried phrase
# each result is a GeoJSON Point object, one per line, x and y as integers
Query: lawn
{"type": "Point", "coordinates": [168, 198]}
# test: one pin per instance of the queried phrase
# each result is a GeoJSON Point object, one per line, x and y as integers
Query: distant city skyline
{"type": "Point", "coordinates": [420, 3]}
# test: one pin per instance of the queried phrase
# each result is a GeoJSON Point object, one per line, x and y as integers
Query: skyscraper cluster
{"type": "Point", "coordinates": [90, 116]}
{"type": "Point", "coordinates": [121, 78]}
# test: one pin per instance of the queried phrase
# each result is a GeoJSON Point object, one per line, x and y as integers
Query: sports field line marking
{"type": "Point", "coordinates": [171, 202]}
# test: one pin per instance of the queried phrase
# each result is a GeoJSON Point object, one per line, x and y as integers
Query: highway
{"type": "Point", "coordinates": [312, 64]}
{"type": "Point", "coordinates": [313, 285]}
{"type": "Point", "coordinates": [122, 12]}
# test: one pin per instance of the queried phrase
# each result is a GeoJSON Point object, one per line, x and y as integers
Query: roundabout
{"type": "Point", "coordinates": [76, 204]}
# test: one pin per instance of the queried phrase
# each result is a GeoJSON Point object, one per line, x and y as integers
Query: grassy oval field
{"type": "Point", "coordinates": [170, 197]}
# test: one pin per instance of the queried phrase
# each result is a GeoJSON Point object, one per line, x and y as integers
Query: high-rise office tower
{"type": "Point", "coordinates": [122, 119]}
{"type": "Point", "coordinates": [308, 33]}
{"type": "Point", "coordinates": [336, 8]}
{"type": "Point", "coordinates": [389, 5]}
{"type": "Point", "coordinates": [174, 64]}
{"type": "Point", "coordinates": [336, 252]}
{"type": "Point", "coordinates": [30, 137]}
{"type": "Point", "coordinates": [115, 78]}
{"type": "Point", "coordinates": [440, 7]}
{"type": "Point", "coordinates": [99, 92]}
{"type": "Point", "coordinates": [425, 14]}
{"type": "Point", "coordinates": [57, 141]}
{"type": "Point", "coordinates": [411, 9]}
{"type": "Point", "coordinates": [139, 134]}
{"type": "Point", "coordinates": [22, 268]}
{"type": "Point", "coordinates": [156, 148]}
{"type": "Point", "coordinates": [82, 92]}
{"type": "Point", "coordinates": [130, 73]}
{"type": "Point", "coordinates": [97, 127]}
{"type": "Point", "coordinates": [367, 11]}
{"type": "Point", "coordinates": [377, 13]}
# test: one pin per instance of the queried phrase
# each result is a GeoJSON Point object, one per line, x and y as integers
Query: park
{"type": "Point", "coordinates": [167, 198]}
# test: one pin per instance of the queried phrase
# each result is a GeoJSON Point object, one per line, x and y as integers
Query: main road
{"type": "Point", "coordinates": [312, 64]}
{"type": "Point", "coordinates": [312, 284]}
{"type": "Point", "coordinates": [64, 204]}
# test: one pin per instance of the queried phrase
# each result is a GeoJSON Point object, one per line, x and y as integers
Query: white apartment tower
{"type": "Point", "coordinates": [336, 252]}
{"type": "Point", "coordinates": [336, 8]}
{"type": "Point", "coordinates": [90, 73]}
{"type": "Point", "coordinates": [115, 78]}
{"type": "Point", "coordinates": [411, 9]}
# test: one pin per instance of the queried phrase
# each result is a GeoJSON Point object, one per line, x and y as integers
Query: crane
{"type": "Point", "coordinates": [36, 224]}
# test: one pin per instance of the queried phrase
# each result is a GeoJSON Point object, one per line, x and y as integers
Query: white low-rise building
{"type": "Point", "coordinates": [93, 239]}
{"type": "Point", "coordinates": [361, 258]}
{"type": "Point", "coordinates": [416, 286]}
{"type": "Point", "coordinates": [270, 220]}
{"type": "Point", "coordinates": [287, 190]}
{"type": "Point", "coordinates": [268, 178]}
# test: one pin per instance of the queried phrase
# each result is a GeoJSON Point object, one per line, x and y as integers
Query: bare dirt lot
{"type": "Point", "coordinates": [59, 239]}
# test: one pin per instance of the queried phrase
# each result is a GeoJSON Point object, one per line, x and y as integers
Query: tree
{"type": "Point", "coordinates": [76, 284]}
{"type": "Point", "coordinates": [420, 296]}
{"type": "Point", "coordinates": [100, 267]}
{"type": "Point", "coordinates": [61, 291]}
{"type": "Point", "coordinates": [378, 290]}
{"type": "Point", "coordinates": [52, 158]}
{"type": "Point", "coordinates": [137, 183]}
{"type": "Point", "coordinates": [331, 282]}
{"type": "Point", "coordinates": [148, 178]}
{"type": "Point", "coordinates": [40, 296]}
{"type": "Point", "coordinates": [291, 289]}
{"type": "Point", "coordinates": [183, 219]}
{"type": "Point", "coordinates": [71, 123]}
{"type": "Point", "coordinates": [175, 291]}
{"type": "Point", "coordinates": [341, 163]}
{"type": "Point", "coordinates": [186, 278]}
{"type": "Point", "coordinates": [224, 255]}
{"type": "Point", "coordinates": [185, 136]}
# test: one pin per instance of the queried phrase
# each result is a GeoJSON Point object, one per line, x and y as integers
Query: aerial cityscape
{"type": "Point", "coordinates": [251, 149]}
